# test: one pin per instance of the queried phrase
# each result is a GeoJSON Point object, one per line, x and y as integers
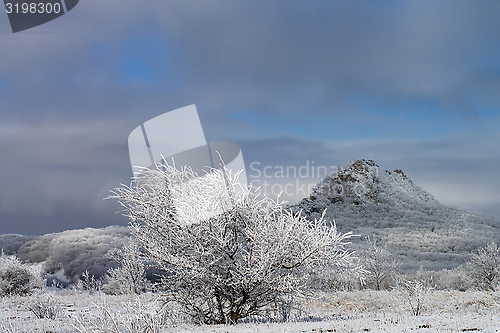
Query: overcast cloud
{"type": "Point", "coordinates": [411, 84]}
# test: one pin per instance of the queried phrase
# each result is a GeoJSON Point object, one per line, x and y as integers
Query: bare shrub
{"type": "Point", "coordinates": [130, 277]}
{"type": "Point", "coordinates": [331, 279]}
{"type": "Point", "coordinates": [379, 265]}
{"type": "Point", "coordinates": [90, 283]}
{"type": "Point", "coordinates": [416, 290]}
{"type": "Point", "coordinates": [44, 306]}
{"type": "Point", "coordinates": [228, 255]}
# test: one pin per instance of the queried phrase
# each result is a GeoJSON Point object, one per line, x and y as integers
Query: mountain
{"type": "Point", "coordinates": [389, 207]}
{"type": "Point", "coordinates": [363, 198]}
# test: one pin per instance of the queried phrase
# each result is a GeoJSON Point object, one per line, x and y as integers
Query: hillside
{"type": "Point", "coordinates": [388, 206]}
{"type": "Point", "coordinates": [66, 255]}
{"type": "Point", "coordinates": [362, 198]}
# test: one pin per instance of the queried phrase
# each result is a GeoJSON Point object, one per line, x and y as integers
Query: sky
{"type": "Point", "coordinates": [411, 84]}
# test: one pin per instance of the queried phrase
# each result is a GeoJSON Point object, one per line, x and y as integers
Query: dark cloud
{"type": "Point", "coordinates": [55, 178]}
{"type": "Point", "coordinates": [459, 172]}
{"type": "Point", "coordinates": [411, 84]}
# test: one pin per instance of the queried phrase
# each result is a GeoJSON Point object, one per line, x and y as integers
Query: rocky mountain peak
{"type": "Point", "coordinates": [363, 182]}
{"type": "Point", "coordinates": [370, 201]}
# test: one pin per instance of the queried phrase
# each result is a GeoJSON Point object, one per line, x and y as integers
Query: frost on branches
{"type": "Point", "coordinates": [228, 254]}
{"type": "Point", "coordinates": [379, 264]}
{"type": "Point", "coordinates": [484, 267]}
{"type": "Point", "coordinates": [130, 277]}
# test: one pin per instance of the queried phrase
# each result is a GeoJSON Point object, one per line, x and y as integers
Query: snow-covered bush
{"type": "Point", "coordinates": [89, 283]}
{"type": "Point", "coordinates": [484, 267]}
{"type": "Point", "coordinates": [130, 277]}
{"type": "Point", "coordinates": [330, 279]}
{"type": "Point", "coordinates": [16, 278]}
{"type": "Point", "coordinates": [44, 306]}
{"type": "Point", "coordinates": [460, 279]}
{"type": "Point", "coordinates": [416, 289]}
{"type": "Point", "coordinates": [452, 279]}
{"type": "Point", "coordinates": [227, 253]}
{"type": "Point", "coordinates": [379, 264]}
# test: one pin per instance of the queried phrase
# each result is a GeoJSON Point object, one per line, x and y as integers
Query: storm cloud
{"type": "Point", "coordinates": [410, 84]}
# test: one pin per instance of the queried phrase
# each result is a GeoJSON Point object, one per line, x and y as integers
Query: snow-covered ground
{"type": "Point", "coordinates": [357, 311]}
{"type": "Point", "coordinates": [416, 228]}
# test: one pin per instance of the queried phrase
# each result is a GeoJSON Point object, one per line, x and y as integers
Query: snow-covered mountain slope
{"type": "Point", "coordinates": [388, 206]}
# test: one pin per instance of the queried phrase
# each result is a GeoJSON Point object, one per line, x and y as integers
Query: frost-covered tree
{"type": "Point", "coordinates": [228, 254]}
{"type": "Point", "coordinates": [379, 264]}
{"type": "Point", "coordinates": [484, 267]}
{"type": "Point", "coordinates": [130, 276]}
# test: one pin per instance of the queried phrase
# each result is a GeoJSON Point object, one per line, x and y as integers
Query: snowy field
{"type": "Point", "coordinates": [357, 311]}
{"type": "Point", "coordinates": [242, 256]}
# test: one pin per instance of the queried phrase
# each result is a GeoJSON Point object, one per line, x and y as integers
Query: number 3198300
{"type": "Point", "coordinates": [33, 8]}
